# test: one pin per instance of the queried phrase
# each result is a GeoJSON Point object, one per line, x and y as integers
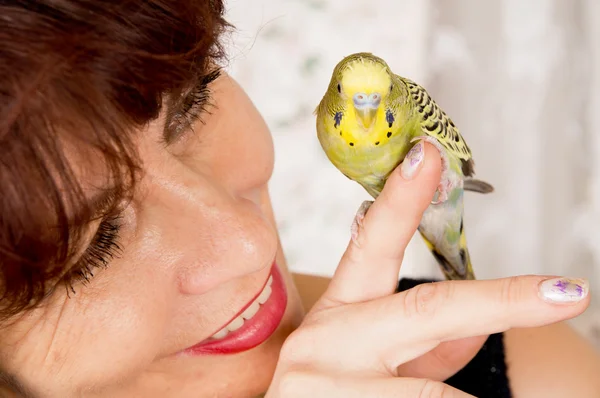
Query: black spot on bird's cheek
{"type": "Point", "coordinates": [337, 118]}
{"type": "Point", "coordinates": [340, 133]}
{"type": "Point", "coordinates": [339, 87]}
{"type": "Point", "coordinates": [389, 117]}
{"type": "Point", "coordinates": [389, 134]}
{"type": "Point", "coordinates": [377, 143]}
{"type": "Point", "coordinates": [352, 144]}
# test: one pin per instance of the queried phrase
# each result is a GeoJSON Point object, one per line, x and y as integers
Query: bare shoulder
{"type": "Point", "coordinates": [552, 361]}
{"type": "Point", "coordinates": [310, 287]}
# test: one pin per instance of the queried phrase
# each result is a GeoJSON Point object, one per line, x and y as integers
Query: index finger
{"type": "Point", "coordinates": [371, 263]}
{"type": "Point", "coordinates": [453, 310]}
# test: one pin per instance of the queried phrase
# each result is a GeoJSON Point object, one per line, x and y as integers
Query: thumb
{"type": "Point", "coordinates": [370, 265]}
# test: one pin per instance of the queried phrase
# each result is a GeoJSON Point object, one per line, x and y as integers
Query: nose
{"type": "Point", "coordinates": [214, 235]}
{"type": "Point", "coordinates": [364, 101]}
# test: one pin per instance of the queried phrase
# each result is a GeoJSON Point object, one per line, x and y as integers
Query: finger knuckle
{"type": "Point", "coordinates": [295, 348]}
{"type": "Point", "coordinates": [425, 299]}
{"type": "Point", "coordinates": [299, 347]}
{"type": "Point", "coordinates": [510, 291]}
{"type": "Point", "coordinates": [435, 389]}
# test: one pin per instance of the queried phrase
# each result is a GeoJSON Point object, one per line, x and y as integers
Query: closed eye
{"type": "Point", "coordinates": [190, 109]}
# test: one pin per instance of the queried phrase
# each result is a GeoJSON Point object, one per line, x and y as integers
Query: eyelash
{"type": "Point", "coordinates": [196, 104]}
{"type": "Point", "coordinates": [103, 248]}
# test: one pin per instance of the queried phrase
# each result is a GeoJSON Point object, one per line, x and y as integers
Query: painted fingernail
{"type": "Point", "coordinates": [564, 290]}
{"type": "Point", "coordinates": [413, 161]}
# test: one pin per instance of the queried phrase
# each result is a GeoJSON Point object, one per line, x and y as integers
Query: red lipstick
{"type": "Point", "coordinates": [255, 330]}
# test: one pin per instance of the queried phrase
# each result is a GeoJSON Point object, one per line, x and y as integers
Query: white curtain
{"type": "Point", "coordinates": [521, 79]}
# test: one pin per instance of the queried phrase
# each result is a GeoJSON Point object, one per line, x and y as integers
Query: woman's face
{"type": "Point", "coordinates": [199, 248]}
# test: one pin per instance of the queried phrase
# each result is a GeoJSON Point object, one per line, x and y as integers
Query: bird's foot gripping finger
{"type": "Point", "coordinates": [447, 183]}
{"type": "Point", "coordinates": [357, 223]}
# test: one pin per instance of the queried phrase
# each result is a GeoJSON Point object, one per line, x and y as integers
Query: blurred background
{"type": "Point", "coordinates": [520, 79]}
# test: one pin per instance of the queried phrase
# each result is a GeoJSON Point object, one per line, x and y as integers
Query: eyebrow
{"type": "Point", "coordinates": [176, 104]}
{"type": "Point", "coordinates": [102, 200]}
{"type": "Point", "coordinates": [98, 203]}
{"type": "Point", "coordinates": [174, 109]}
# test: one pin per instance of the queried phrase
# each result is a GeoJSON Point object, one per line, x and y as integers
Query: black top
{"type": "Point", "coordinates": [485, 376]}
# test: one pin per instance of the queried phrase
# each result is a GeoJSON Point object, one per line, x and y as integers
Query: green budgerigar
{"type": "Point", "coordinates": [368, 120]}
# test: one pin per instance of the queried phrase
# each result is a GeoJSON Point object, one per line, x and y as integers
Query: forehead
{"type": "Point", "coordinates": [365, 75]}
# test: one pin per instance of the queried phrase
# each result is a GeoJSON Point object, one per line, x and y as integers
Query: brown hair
{"type": "Point", "coordinates": [86, 72]}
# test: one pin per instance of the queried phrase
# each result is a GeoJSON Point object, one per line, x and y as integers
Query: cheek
{"type": "Point", "coordinates": [76, 340]}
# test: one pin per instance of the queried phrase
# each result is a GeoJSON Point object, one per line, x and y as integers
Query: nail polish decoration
{"type": "Point", "coordinates": [413, 161]}
{"type": "Point", "coordinates": [564, 290]}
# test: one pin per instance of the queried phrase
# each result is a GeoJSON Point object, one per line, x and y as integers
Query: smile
{"type": "Point", "coordinates": [253, 324]}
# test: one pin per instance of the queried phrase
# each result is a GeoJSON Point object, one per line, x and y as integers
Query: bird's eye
{"type": "Point", "coordinates": [391, 87]}
{"type": "Point", "coordinates": [339, 88]}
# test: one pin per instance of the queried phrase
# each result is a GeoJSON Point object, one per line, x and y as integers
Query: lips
{"type": "Point", "coordinates": [253, 324]}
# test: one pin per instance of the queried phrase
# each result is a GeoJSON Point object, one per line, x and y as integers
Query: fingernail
{"type": "Point", "coordinates": [413, 161]}
{"type": "Point", "coordinates": [564, 290]}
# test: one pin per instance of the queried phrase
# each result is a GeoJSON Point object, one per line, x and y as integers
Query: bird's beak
{"type": "Point", "coordinates": [366, 107]}
{"type": "Point", "coordinates": [366, 116]}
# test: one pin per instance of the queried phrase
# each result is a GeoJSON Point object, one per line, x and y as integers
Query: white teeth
{"type": "Point", "coordinates": [235, 324]}
{"type": "Point", "coordinates": [248, 312]}
{"type": "Point", "coordinates": [264, 295]}
{"type": "Point", "coordinates": [220, 334]}
{"type": "Point", "coordinates": [251, 311]}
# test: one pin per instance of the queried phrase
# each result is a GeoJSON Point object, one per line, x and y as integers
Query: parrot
{"type": "Point", "coordinates": [368, 120]}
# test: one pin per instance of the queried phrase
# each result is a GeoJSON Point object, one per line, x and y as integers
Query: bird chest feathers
{"type": "Point", "coordinates": [364, 156]}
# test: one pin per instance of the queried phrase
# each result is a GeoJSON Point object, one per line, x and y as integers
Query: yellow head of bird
{"type": "Point", "coordinates": [364, 82]}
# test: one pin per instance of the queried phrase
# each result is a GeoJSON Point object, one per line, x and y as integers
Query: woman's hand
{"type": "Point", "coordinates": [362, 340]}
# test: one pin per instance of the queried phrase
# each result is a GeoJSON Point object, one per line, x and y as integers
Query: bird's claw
{"type": "Point", "coordinates": [441, 194]}
{"type": "Point", "coordinates": [357, 223]}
